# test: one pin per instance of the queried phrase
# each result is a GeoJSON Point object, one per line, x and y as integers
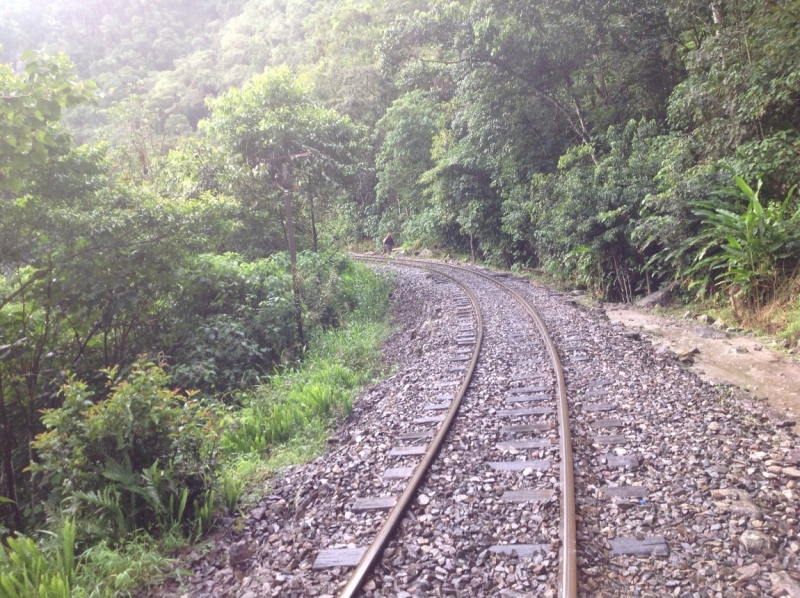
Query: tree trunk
{"type": "Point", "coordinates": [10, 485]}
{"type": "Point", "coordinates": [313, 224]}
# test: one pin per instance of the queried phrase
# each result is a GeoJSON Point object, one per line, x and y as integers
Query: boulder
{"type": "Point", "coordinates": [778, 418]}
{"type": "Point", "coordinates": [707, 332]}
{"type": "Point", "coordinates": [756, 542]}
{"type": "Point", "coordinates": [782, 581]}
{"type": "Point", "coordinates": [660, 297]}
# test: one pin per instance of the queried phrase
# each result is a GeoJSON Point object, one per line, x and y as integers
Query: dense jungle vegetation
{"type": "Point", "coordinates": [153, 350]}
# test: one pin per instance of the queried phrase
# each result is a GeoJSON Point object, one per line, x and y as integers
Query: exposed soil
{"type": "Point", "coordinates": [766, 373]}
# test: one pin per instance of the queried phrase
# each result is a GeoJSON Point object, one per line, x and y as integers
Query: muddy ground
{"type": "Point", "coordinates": [741, 360]}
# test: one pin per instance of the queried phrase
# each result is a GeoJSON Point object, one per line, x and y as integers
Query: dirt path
{"type": "Point", "coordinates": [743, 361]}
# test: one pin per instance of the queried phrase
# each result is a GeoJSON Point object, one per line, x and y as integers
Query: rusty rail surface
{"type": "Point", "coordinates": [568, 574]}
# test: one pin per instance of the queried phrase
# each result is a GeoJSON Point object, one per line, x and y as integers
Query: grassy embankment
{"type": "Point", "coordinates": [286, 420]}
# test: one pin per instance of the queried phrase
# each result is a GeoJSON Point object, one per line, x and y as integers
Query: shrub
{"type": "Point", "coordinates": [234, 320]}
{"type": "Point", "coordinates": [142, 458]}
{"type": "Point", "coordinates": [28, 571]}
{"type": "Point", "coordinates": [745, 251]}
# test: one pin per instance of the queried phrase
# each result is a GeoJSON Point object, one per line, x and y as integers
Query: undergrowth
{"type": "Point", "coordinates": [288, 420]}
{"type": "Point", "coordinates": [285, 420]}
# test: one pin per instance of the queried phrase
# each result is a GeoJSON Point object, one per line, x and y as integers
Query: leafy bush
{"type": "Point", "coordinates": [28, 571]}
{"type": "Point", "coordinates": [234, 320]}
{"type": "Point", "coordinates": [585, 213]}
{"type": "Point", "coordinates": [140, 459]}
{"type": "Point", "coordinates": [338, 364]}
{"type": "Point", "coordinates": [746, 252]}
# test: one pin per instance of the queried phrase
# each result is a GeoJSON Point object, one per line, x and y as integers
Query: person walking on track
{"type": "Point", "coordinates": [388, 244]}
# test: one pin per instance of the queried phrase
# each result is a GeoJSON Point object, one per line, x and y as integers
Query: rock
{"type": "Point", "coordinates": [731, 493]}
{"type": "Point", "coordinates": [688, 356]}
{"type": "Point", "coordinates": [748, 571]}
{"type": "Point", "coordinates": [778, 418]}
{"type": "Point", "coordinates": [665, 353]}
{"type": "Point", "coordinates": [688, 315]}
{"type": "Point", "coordinates": [713, 427]}
{"type": "Point", "coordinates": [757, 347]}
{"type": "Point", "coordinates": [747, 508]}
{"type": "Point", "coordinates": [426, 253]}
{"type": "Point", "coordinates": [258, 513]}
{"type": "Point", "coordinates": [706, 332]}
{"type": "Point", "coordinates": [719, 324]}
{"type": "Point", "coordinates": [755, 542]}
{"type": "Point", "coordinates": [791, 472]}
{"type": "Point", "coordinates": [781, 581]}
{"type": "Point", "coordinates": [703, 319]}
{"type": "Point", "coordinates": [740, 350]}
{"type": "Point", "coordinates": [239, 552]}
{"type": "Point", "coordinates": [660, 297]}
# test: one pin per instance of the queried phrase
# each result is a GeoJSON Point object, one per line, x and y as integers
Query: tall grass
{"type": "Point", "coordinates": [313, 396]}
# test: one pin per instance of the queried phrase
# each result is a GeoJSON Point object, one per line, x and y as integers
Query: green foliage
{"type": "Point", "coordinates": [284, 139]}
{"type": "Point", "coordinates": [49, 568]}
{"type": "Point", "coordinates": [338, 364]}
{"type": "Point", "coordinates": [586, 137]}
{"type": "Point", "coordinates": [28, 571]}
{"type": "Point", "coordinates": [746, 253]}
{"type": "Point", "coordinates": [241, 320]}
{"type": "Point", "coordinates": [31, 107]}
{"type": "Point", "coordinates": [584, 216]}
{"type": "Point", "coordinates": [134, 460]}
{"type": "Point", "coordinates": [111, 570]}
{"type": "Point", "coordinates": [408, 129]}
{"type": "Point", "coordinates": [242, 314]}
{"type": "Point", "coordinates": [230, 488]}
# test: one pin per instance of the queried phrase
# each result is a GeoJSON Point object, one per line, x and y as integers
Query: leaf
{"type": "Point", "coordinates": [734, 243]}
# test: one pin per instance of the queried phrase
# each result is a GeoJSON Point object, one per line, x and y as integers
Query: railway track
{"type": "Point", "coordinates": [533, 394]}
{"type": "Point", "coordinates": [452, 477]}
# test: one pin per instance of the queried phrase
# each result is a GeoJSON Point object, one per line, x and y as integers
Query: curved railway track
{"type": "Point", "coordinates": [679, 491]}
{"type": "Point", "coordinates": [396, 514]}
{"type": "Point", "coordinates": [568, 577]}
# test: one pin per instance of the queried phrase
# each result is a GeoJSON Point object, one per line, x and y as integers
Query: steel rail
{"type": "Point", "coordinates": [395, 515]}
{"type": "Point", "coordinates": [568, 575]}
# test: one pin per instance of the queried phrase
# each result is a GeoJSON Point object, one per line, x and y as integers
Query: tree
{"type": "Point", "coordinates": [740, 99]}
{"type": "Point", "coordinates": [32, 105]}
{"type": "Point", "coordinates": [273, 121]}
{"type": "Point", "coordinates": [408, 129]}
